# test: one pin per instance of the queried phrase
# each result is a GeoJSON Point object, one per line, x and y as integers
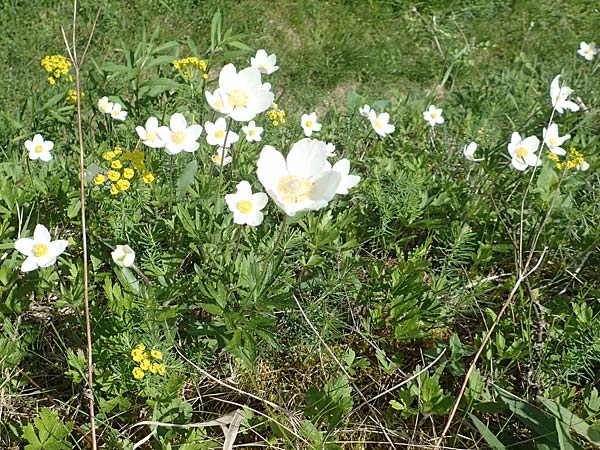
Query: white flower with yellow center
{"type": "Point", "coordinates": [522, 151]}
{"type": "Point", "coordinates": [365, 110]}
{"type": "Point", "coordinates": [118, 113]}
{"type": "Point", "coordinates": [149, 134]}
{"type": "Point", "coordinates": [433, 116]}
{"type": "Point", "coordinates": [298, 182]}
{"type": "Point", "coordinates": [264, 63]}
{"type": "Point", "coordinates": [39, 148]}
{"type": "Point", "coordinates": [559, 95]}
{"type": "Point", "coordinates": [309, 123]}
{"type": "Point", "coordinates": [588, 51]}
{"type": "Point", "coordinates": [246, 206]}
{"type": "Point", "coordinates": [469, 152]}
{"type": "Point", "coordinates": [221, 158]}
{"type": "Point", "coordinates": [104, 105]}
{"type": "Point", "coordinates": [252, 132]}
{"type": "Point", "coordinates": [216, 133]}
{"type": "Point", "coordinates": [123, 255]}
{"type": "Point", "coordinates": [240, 94]}
{"type": "Point", "coordinates": [178, 136]}
{"type": "Point", "coordinates": [380, 123]}
{"type": "Point", "coordinates": [554, 141]}
{"type": "Point", "coordinates": [41, 251]}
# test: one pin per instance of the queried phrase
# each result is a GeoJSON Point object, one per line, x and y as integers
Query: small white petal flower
{"type": "Point", "coordinates": [433, 115]}
{"type": "Point", "coordinates": [347, 181]}
{"type": "Point", "coordinates": [105, 106]}
{"type": "Point", "coordinates": [554, 141]}
{"type": "Point", "coordinates": [559, 95]}
{"type": "Point", "coordinates": [582, 166]}
{"type": "Point", "coordinates": [216, 101]}
{"type": "Point", "coordinates": [264, 63]}
{"type": "Point", "coordinates": [469, 152]}
{"type": "Point", "coordinates": [178, 136]}
{"type": "Point", "coordinates": [123, 255]}
{"type": "Point", "coordinates": [380, 123]}
{"type": "Point", "coordinates": [309, 123]}
{"type": "Point", "coordinates": [221, 158]}
{"type": "Point", "coordinates": [39, 148]}
{"type": "Point", "coordinates": [246, 206]}
{"type": "Point", "coordinates": [252, 132]}
{"type": "Point", "coordinates": [118, 113]}
{"type": "Point", "coordinates": [364, 110]}
{"type": "Point", "coordinates": [522, 151]}
{"type": "Point", "coordinates": [149, 134]}
{"type": "Point", "coordinates": [41, 251]}
{"type": "Point", "coordinates": [588, 51]}
{"type": "Point", "coordinates": [217, 132]}
{"type": "Point", "coordinates": [329, 150]}
{"type": "Point", "coordinates": [298, 182]}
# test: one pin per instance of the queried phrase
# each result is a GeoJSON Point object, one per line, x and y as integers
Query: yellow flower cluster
{"type": "Point", "coordinates": [574, 160]}
{"type": "Point", "coordinates": [56, 66]}
{"type": "Point", "coordinates": [188, 67]}
{"type": "Point", "coordinates": [276, 115]}
{"type": "Point", "coordinates": [118, 175]}
{"type": "Point", "coordinates": [72, 96]}
{"type": "Point", "coordinates": [140, 356]}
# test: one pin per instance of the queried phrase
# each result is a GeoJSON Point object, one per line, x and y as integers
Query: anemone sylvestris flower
{"type": "Point", "coordinates": [380, 123]}
{"type": "Point", "coordinates": [264, 63]}
{"type": "Point", "coordinates": [246, 206]}
{"type": "Point", "coordinates": [41, 251]}
{"type": "Point", "coordinates": [178, 136]}
{"type": "Point", "coordinates": [118, 113]}
{"type": "Point", "coordinates": [588, 51]}
{"type": "Point", "coordinates": [104, 105]}
{"type": "Point", "coordinates": [522, 151]}
{"type": "Point", "coordinates": [309, 123]}
{"type": "Point", "coordinates": [559, 96]}
{"type": "Point", "coordinates": [469, 152]}
{"type": "Point", "coordinates": [39, 148]}
{"type": "Point", "coordinates": [554, 141]}
{"type": "Point", "coordinates": [252, 132]}
{"type": "Point", "coordinates": [433, 116]}
{"type": "Point", "coordinates": [123, 255]}
{"type": "Point", "coordinates": [149, 134]}
{"type": "Point", "coordinates": [217, 132]}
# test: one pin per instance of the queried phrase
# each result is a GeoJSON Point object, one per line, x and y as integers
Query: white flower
{"type": "Point", "coordinates": [179, 136]}
{"type": "Point", "coordinates": [41, 251]}
{"type": "Point", "coordinates": [347, 181]}
{"type": "Point", "coordinates": [559, 96]}
{"type": "Point", "coordinates": [123, 256]}
{"type": "Point", "coordinates": [221, 158]}
{"type": "Point", "coordinates": [364, 110]}
{"type": "Point", "coordinates": [263, 63]}
{"type": "Point", "coordinates": [246, 206]}
{"type": "Point", "coordinates": [469, 152]}
{"type": "Point", "coordinates": [266, 87]}
{"type": "Point", "coordinates": [253, 133]}
{"type": "Point", "coordinates": [329, 150]}
{"type": "Point", "coordinates": [240, 95]}
{"type": "Point", "coordinates": [105, 106]}
{"type": "Point", "coordinates": [149, 135]}
{"type": "Point", "coordinates": [554, 141]}
{"type": "Point", "coordinates": [523, 151]}
{"type": "Point", "coordinates": [582, 166]}
{"type": "Point", "coordinates": [380, 123]}
{"type": "Point", "coordinates": [39, 148]}
{"type": "Point", "coordinates": [298, 182]}
{"type": "Point", "coordinates": [216, 133]}
{"type": "Point", "coordinates": [433, 115]}
{"type": "Point", "coordinates": [118, 113]}
{"type": "Point", "coordinates": [588, 51]}
{"type": "Point", "coordinates": [309, 123]}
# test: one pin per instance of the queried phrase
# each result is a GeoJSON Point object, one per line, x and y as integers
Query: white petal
{"type": "Point", "coordinates": [271, 167]}
{"type": "Point", "coordinates": [25, 246]}
{"type": "Point", "coordinates": [41, 235]}
{"type": "Point", "coordinates": [307, 158]}
{"type": "Point", "coordinates": [29, 264]}
{"type": "Point", "coordinates": [177, 122]}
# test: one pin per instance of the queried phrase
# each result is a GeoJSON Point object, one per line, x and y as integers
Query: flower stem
{"type": "Point", "coordinates": [261, 279]}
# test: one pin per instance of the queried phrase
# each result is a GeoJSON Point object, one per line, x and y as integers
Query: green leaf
{"type": "Point", "coordinates": [48, 432]}
{"type": "Point", "coordinates": [187, 176]}
{"type": "Point", "coordinates": [53, 101]}
{"type": "Point", "coordinates": [74, 208]}
{"type": "Point", "coordinates": [578, 424]}
{"type": "Point", "coordinates": [487, 434]}
{"type": "Point", "coordinates": [215, 30]}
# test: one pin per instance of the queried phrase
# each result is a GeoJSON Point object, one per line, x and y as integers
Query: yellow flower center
{"type": "Point", "coordinates": [245, 206]}
{"type": "Point", "coordinates": [39, 149]}
{"type": "Point", "coordinates": [294, 189]}
{"type": "Point", "coordinates": [238, 98]}
{"type": "Point", "coordinates": [217, 159]}
{"type": "Point", "coordinates": [308, 123]}
{"type": "Point", "coordinates": [40, 250]}
{"type": "Point", "coordinates": [251, 132]}
{"type": "Point", "coordinates": [433, 115]}
{"type": "Point", "coordinates": [219, 134]}
{"type": "Point", "coordinates": [553, 141]}
{"type": "Point", "coordinates": [178, 137]}
{"type": "Point", "coordinates": [522, 152]}
{"type": "Point", "coordinates": [219, 103]}
{"type": "Point", "coordinates": [378, 123]}
{"type": "Point", "coordinates": [151, 136]}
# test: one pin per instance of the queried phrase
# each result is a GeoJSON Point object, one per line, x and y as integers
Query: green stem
{"type": "Point", "coordinates": [261, 279]}
{"type": "Point", "coordinates": [222, 161]}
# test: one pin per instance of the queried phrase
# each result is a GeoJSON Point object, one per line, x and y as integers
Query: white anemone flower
{"type": "Point", "coordinates": [178, 136]}
{"type": "Point", "coordinates": [41, 251]}
{"type": "Point", "coordinates": [380, 123]}
{"type": "Point", "coordinates": [559, 95]}
{"type": "Point", "coordinates": [149, 134]}
{"type": "Point", "coordinates": [221, 158]}
{"type": "Point", "coordinates": [309, 123]}
{"type": "Point", "coordinates": [522, 151]}
{"type": "Point", "coordinates": [123, 255]}
{"type": "Point", "coordinates": [217, 132]}
{"type": "Point", "coordinates": [433, 115]}
{"type": "Point", "coordinates": [252, 132]}
{"type": "Point", "coordinates": [364, 110]}
{"type": "Point", "coordinates": [264, 63]}
{"type": "Point", "coordinates": [347, 181]}
{"type": "Point", "coordinates": [246, 206]}
{"type": "Point", "coordinates": [118, 113]}
{"type": "Point", "coordinates": [583, 166]}
{"type": "Point", "coordinates": [554, 141]}
{"type": "Point", "coordinates": [105, 106]}
{"type": "Point", "coordinates": [469, 152]}
{"type": "Point", "coordinates": [588, 51]}
{"type": "Point", "coordinates": [240, 94]}
{"type": "Point", "coordinates": [39, 148]}
{"type": "Point", "coordinates": [298, 182]}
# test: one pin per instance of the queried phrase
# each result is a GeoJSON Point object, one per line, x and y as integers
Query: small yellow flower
{"type": "Point", "coordinates": [142, 347]}
{"type": "Point", "coordinates": [52, 81]}
{"type": "Point", "coordinates": [161, 369]}
{"type": "Point", "coordinates": [117, 151]}
{"type": "Point", "coordinates": [123, 185]}
{"type": "Point", "coordinates": [156, 354]}
{"type": "Point", "coordinates": [114, 190]}
{"type": "Point", "coordinates": [139, 165]}
{"type": "Point", "coordinates": [116, 164]}
{"type": "Point", "coordinates": [109, 155]}
{"type": "Point", "coordinates": [138, 355]}
{"type": "Point", "coordinates": [275, 123]}
{"type": "Point", "coordinates": [113, 175]}
{"type": "Point", "coordinates": [128, 173]}
{"type": "Point", "coordinates": [154, 367]}
{"type": "Point", "coordinates": [145, 364]}
{"type": "Point", "coordinates": [99, 179]}
{"type": "Point", "coordinates": [138, 373]}
{"type": "Point", "coordinates": [72, 95]}
{"type": "Point", "coordinates": [148, 178]}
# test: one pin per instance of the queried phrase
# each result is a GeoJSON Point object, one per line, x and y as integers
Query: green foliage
{"type": "Point", "coordinates": [48, 432]}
